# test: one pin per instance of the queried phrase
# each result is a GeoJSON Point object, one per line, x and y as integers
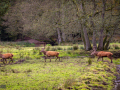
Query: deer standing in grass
{"type": "Point", "coordinates": [102, 54]}
{"type": "Point", "coordinates": [6, 56]}
{"type": "Point", "coordinates": [50, 54]}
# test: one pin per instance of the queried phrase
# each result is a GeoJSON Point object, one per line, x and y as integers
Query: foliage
{"type": "Point", "coordinates": [89, 61]}
{"type": "Point", "coordinates": [48, 44]}
{"type": "Point", "coordinates": [75, 47]}
{"type": "Point", "coordinates": [81, 47]}
{"type": "Point", "coordinates": [4, 4]}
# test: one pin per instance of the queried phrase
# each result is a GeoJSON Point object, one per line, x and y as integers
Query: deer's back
{"type": "Point", "coordinates": [52, 53]}
{"type": "Point", "coordinates": [7, 55]}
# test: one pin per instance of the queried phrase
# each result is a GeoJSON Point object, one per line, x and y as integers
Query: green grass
{"type": "Point", "coordinates": [70, 73]}
{"type": "Point", "coordinates": [73, 72]}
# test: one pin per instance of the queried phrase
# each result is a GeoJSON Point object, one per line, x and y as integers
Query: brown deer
{"type": "Point", "coordinates": [50, 54]}
{"type": "Point", "coordinates": [102, 54]}
{"type": "Point", "coordinates": [6, 56]}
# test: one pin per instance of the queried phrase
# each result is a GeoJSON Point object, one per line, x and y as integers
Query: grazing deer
{"type": "Point", "coordinates": [102, 54]}
{"type": "Point", "coordinates": [6, 56]}
{"type": "Point", "coordinates": [50, 54]}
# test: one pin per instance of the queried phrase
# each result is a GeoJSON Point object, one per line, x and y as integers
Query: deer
{"type": "Point", "coordinates": [6, 56]}
{"type": "Point", "coordinates": [102, 54]}
{"type": "Point", "coordinates": [50, 54]}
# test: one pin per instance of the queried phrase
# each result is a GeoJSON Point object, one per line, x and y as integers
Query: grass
{"type": "Point", "coordinates": [70, 73]}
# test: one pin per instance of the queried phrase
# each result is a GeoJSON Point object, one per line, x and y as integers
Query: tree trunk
{"type": "Point", "coordinates": [106, 41]}
{"type": "Point", "coordinates": [109, 40]}
{"type": "Point", "coordinates": [100, 46]}
{"type": "Point", "coordinates": [88, 46]}
{"type": "Point", "coordinates": [59, 36]}
{"type": "Point", "coordinates": [62, 21]}
{"type": "Point", "coordinates": [82, 35]}
{"type": "Point", "coordinates": [87, 41]}
{"type": "Point", "coordinates": [93, 27]}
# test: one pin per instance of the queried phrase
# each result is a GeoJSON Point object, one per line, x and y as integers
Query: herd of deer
{"type": "Point", "coordinates": [100, 54]}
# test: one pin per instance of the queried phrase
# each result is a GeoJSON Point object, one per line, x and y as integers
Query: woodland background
{"type": "Point", "coordinates": [93, 22]}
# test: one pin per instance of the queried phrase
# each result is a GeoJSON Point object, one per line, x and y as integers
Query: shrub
{"type": "Point", "coordinates": [59, 48]}
{"type": "Point", "coordinates": [48, 45]}
{"type": "Point", "coordinates": [69, 52]}
{"type": "Point", "coordinates": [89, 61]}
{"type": "Point", "coordinates": [75, 47]}
{"type": "Point", "coordinates": [81, 47]}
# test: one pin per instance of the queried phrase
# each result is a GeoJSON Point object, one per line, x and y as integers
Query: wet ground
{"type": "Point", "coordinates": [117, 81]}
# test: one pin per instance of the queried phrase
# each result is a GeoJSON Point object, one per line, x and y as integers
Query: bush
{"type": "Point", "coordinates": [82, 47]}
{"type": "Point", "coordinates": [69, 52]}
{"type": "Point", "coordinates": [59, 48]}
{"type": "Point", "coordinates": [89, 61]}
{"type": "Point", "coordinates": [48, 45]}
{"type": "Point", "coordinates": [75, 47]}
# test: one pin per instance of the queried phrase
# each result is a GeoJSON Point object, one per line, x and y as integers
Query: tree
{"type": "Point", "coordinates": [64, 20]}
{"type": "Point", "coordinates": [4, 5]}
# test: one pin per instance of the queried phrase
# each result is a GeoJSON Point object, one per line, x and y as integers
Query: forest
{"type": "Point", "coordinates": [57, 21]}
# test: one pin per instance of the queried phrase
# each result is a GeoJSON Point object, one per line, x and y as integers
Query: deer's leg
{"type": "Point", "coordinates": [45, 58]}
{"type": "Point", "coordinates": [110, 58]}
{"type": "Point", "coordinates": [102, 58]}
{"type": "Point", "coordinates": [50, 59]}
{"type": "Point", "coordinates": [56, 58]}
{"type": "Point", "coordinates": [59, 58]}
{"type": "Point", "coordinates": [11, 60]}
{"type": "Point", "coordinates": [98, 58]}
{"type": "Point", "coordinates": [4, 60]}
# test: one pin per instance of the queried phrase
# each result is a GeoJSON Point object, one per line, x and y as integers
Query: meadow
{"type": "Point", "coordinates": [76, 71]}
